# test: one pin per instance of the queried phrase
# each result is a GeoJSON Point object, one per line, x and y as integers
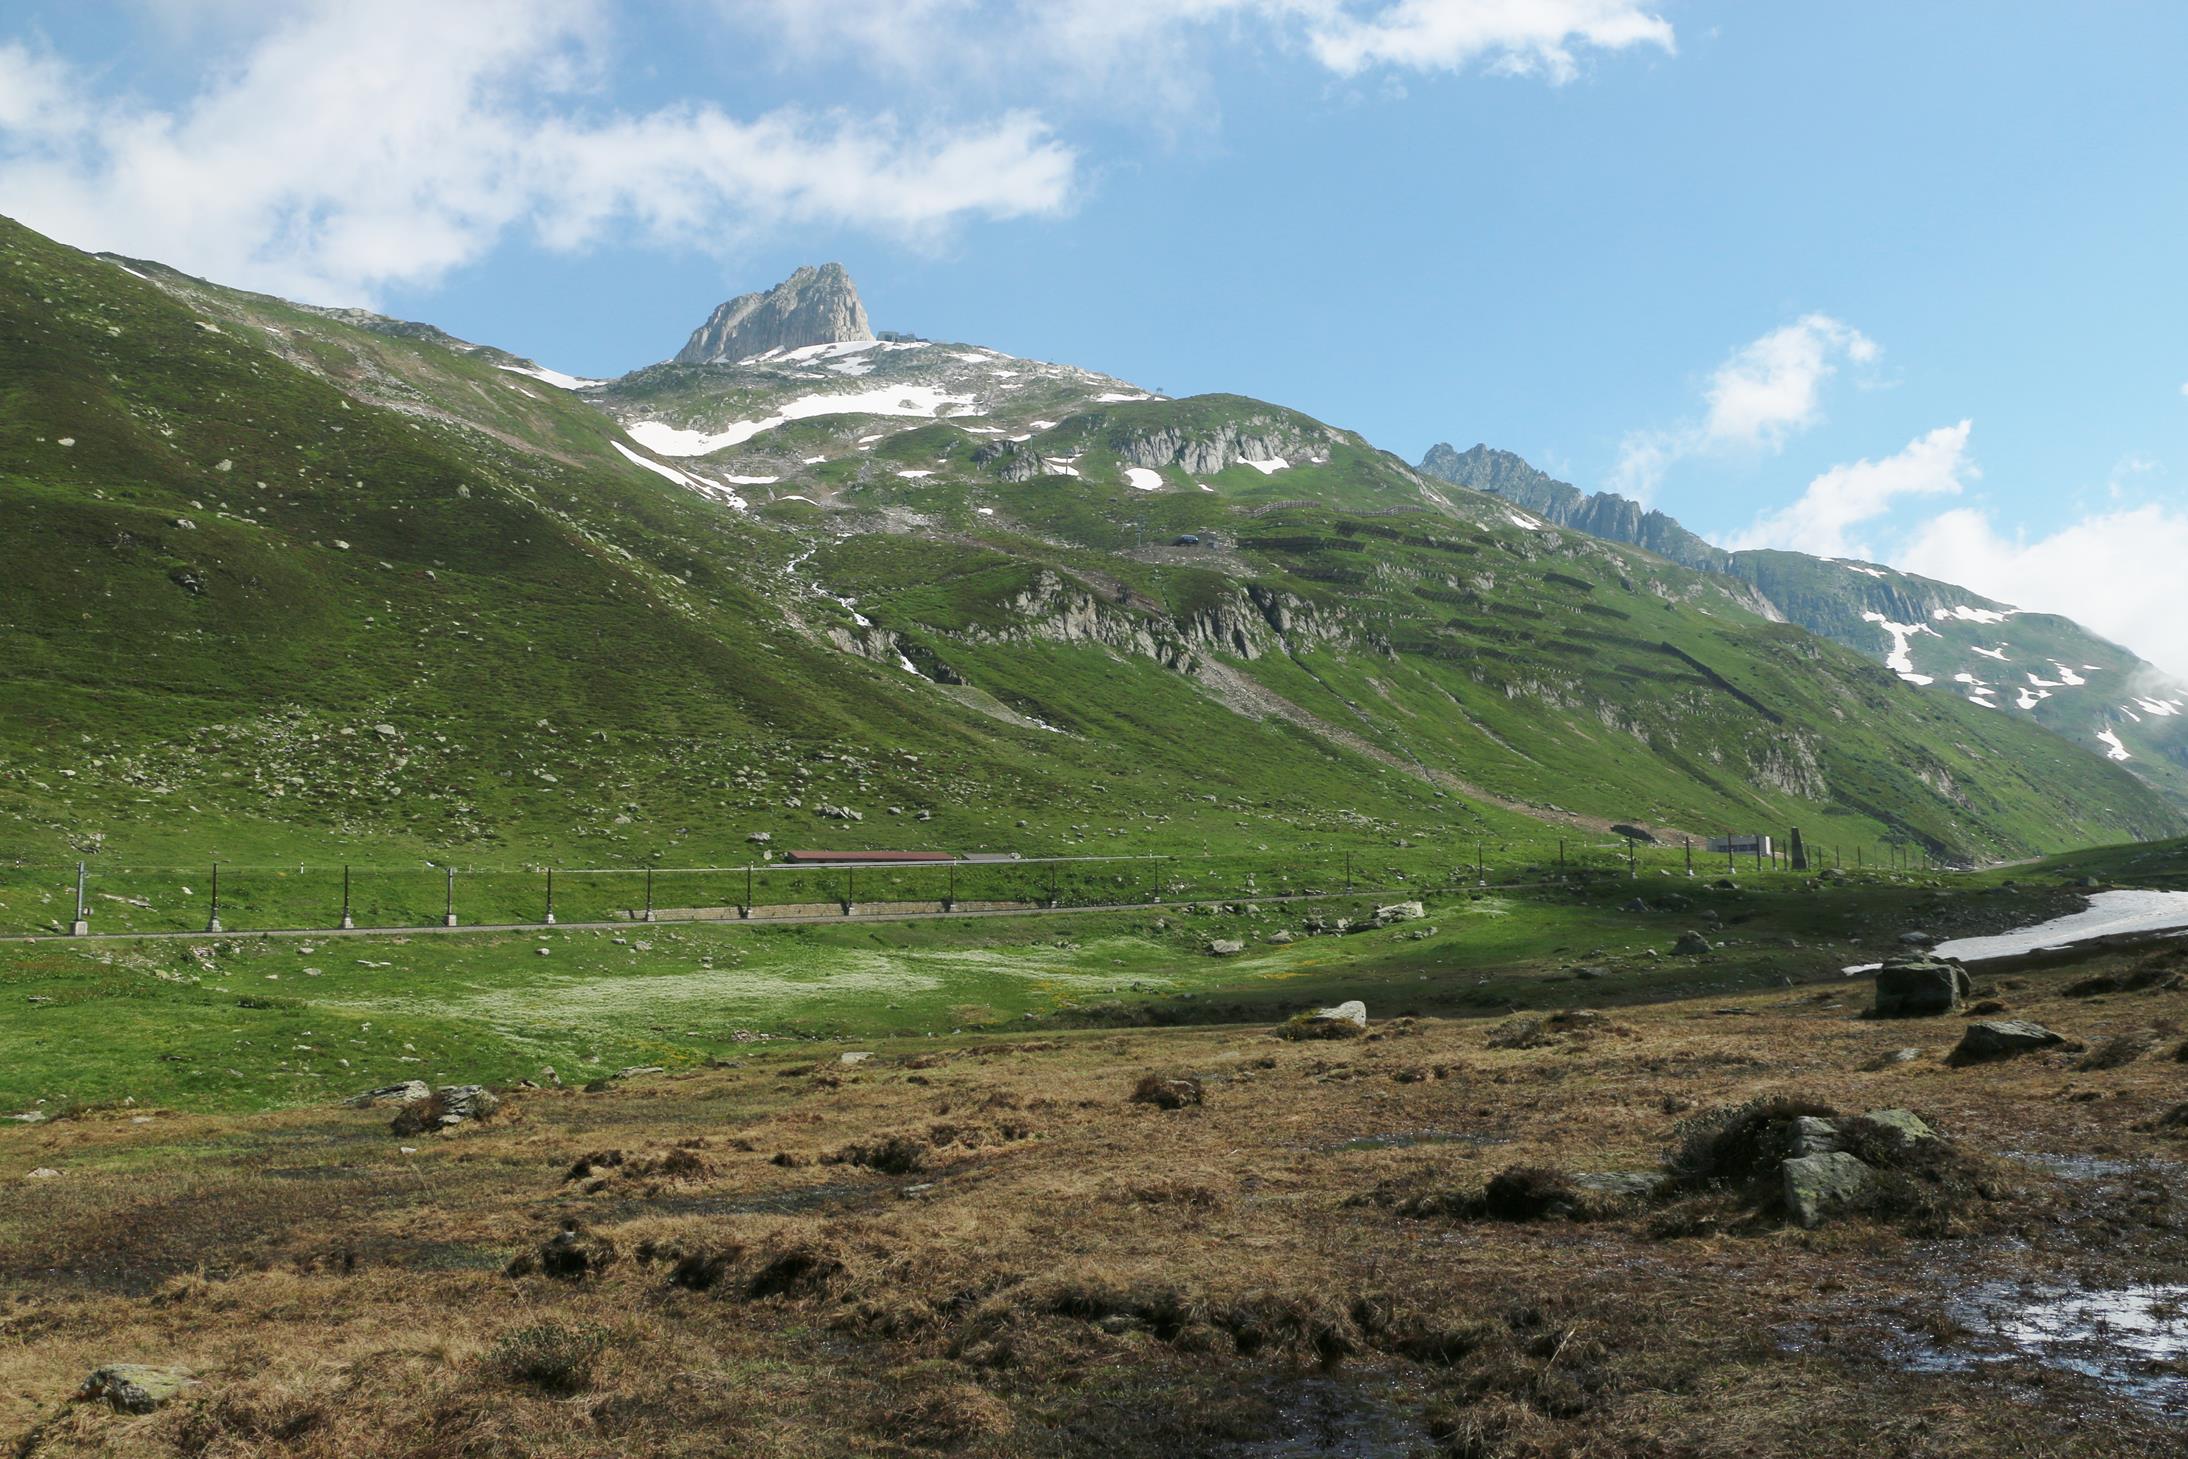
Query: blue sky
{"type": "Point", "coordinates": [1892, 280]}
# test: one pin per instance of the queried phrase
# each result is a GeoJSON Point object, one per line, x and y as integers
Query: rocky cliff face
{"type": "Point", "coordinates": [1605, 514]}
{"type": "Point", "coordinates": [813, 306]}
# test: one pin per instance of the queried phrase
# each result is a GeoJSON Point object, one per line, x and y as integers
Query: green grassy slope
{"type": "Point", "coordinates": [287, 589]}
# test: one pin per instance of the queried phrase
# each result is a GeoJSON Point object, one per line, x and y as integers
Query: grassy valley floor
{"type": "Point", "coordinates": [984, 1245]}
{"type": "Point", "coordinates": [1048, 1186]}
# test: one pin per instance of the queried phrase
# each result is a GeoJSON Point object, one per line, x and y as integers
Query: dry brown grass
{"type": "Point", "coordinates": [992, 1249]}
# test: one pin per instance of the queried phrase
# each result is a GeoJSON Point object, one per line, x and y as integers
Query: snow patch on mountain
{"type": "Point", "coordinates": [553, 377]}
{"type": "Point", "coordinates": [1901, 660]}
{"type": "Point", "coordinates": [2115, 750]}
{"type": "Point", "coordinates": [905, 400]}
{"type": "Point", "coordinates": [1143, 479]}
{"type": "Point", "coordinates": [698, 484]}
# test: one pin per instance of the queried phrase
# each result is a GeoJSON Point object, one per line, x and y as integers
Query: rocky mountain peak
{"type": "Point", "coordinates": [815, 305]}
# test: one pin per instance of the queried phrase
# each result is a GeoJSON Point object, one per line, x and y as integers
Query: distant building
{"type": "Point", "coordinates": [1743, 844]}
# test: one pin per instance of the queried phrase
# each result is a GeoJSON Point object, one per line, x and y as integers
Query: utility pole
{"type": "Point", "coordinates": [448, 916]}
{"type": "Point", "coordinates": [347, 921]}
{"type": "Point", "coordinates": [81, 927]}
{"type": "Point", "coordinates": [213, 923]}
{"type": "Point", "coordinates": [1690, 855]}
{"type": "Point", "coordinates": [550, 896]}
{"type": "Point", "coordinates": [1481, 864]}
{"type": "Point", "coordinates": [1348, 873]}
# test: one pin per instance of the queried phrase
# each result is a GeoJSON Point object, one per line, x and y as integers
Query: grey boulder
{"type": "Point", "coordinates": [410, 1091]}
{"type": "Point", "coordinates": [2002, 1039]}
{"type": "Point", "coordinates": [1919, 987]}
{"type": "Point", "coordinates": [1821, 1185]}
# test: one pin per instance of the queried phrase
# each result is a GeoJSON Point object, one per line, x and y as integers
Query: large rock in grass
{"type": "Point", "coordinates": [1822, 1185]}
{"type": "Point", "coordinates": [1905, 1125]}
{"type": "Point", "coordinates": [2002, 1039]}
{"type": "Point", "coordinates": [1919, 987]}
{"type": "Point", "coordinates": [133, 1387]}
{"type": "Point", "coordinates": [410, 1091]}
{"type": "Point", "coordinates": [1225, 947]}
{"type": "Point", "coordinates": [1339, 1021]}
{"type": "Point", "coordinates": [1691, 944]}
{"type": "Point", "coordinates": [446, 1108]}
{"type": "Point", "coordinates": [1398, 912]}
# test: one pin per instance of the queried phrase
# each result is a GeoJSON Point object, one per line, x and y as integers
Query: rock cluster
{"type": "Point", "coordinates": [1820, 1179]}
{"type": "Point", "coordinates": [133, 1387]}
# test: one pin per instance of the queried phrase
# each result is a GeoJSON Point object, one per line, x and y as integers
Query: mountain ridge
{"type": "Point", "coordinates": [1933, 634]}
{"type": "Point", "coordinates": [817, 304]}
{"type": "Point", "coordinates": [332, 584]}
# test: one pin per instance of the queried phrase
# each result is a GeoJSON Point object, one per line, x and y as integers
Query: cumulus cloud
{"type": "Point", "coordinates": [349, 148]}
{"type": "Point", "coordinates": [2115, 572]}
{"type": "Point", "coordinates": [1767, 391]}
{"type": "Point", "coordinates": [1845, 497]}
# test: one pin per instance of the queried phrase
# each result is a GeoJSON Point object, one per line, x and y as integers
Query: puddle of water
{"type": "Point", "coordinates": [2131, 1339]}
{"type": "Point", "coordinates": [1407, 1139]}
{"type": "Point", "coordinates": [2079, 1167]}
{"type": "Point", "coordinates": [1323, 1419]}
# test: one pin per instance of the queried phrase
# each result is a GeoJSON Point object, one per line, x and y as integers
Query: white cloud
{"type": "Point", "coordinates": [1770, 389]}
{"type": "Point", "coordinates": [1844, 497]}
{"type": "Point", "coordinates": [2116, 572]}
{"type": "Point", "coordinates": [351, 147]}
{"type": "Point", "coordinates": [1767, 391]}
{"type": "Point", "coordinates": [1155, 55]}
{"type": "Point", "coordinates": [1518, 37]}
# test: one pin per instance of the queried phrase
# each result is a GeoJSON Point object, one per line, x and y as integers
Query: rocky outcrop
{"type": "Point", "coordinates": [813, 306]}
{"type": "Point", "coordinates": [1212, 449]}
{"type": "Point", "coordinates": [1604, 514]}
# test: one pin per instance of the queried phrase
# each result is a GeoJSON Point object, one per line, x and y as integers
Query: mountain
{"type": "Point", "coordinates": [1932, 634]}
{"type": "Point", "coordinates": [813, 306]}
{"type": "Point", "coordinates": [291, 586]}
{"type": "Point", "coordinates": [1603, 514]}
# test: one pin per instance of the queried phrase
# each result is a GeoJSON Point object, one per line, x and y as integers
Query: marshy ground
{"type": "Point", "coordinates": [986, 1245]}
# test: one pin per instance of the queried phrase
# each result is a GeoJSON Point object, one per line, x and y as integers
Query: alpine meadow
{"type": "Point", "coordinates": [855, 891]}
